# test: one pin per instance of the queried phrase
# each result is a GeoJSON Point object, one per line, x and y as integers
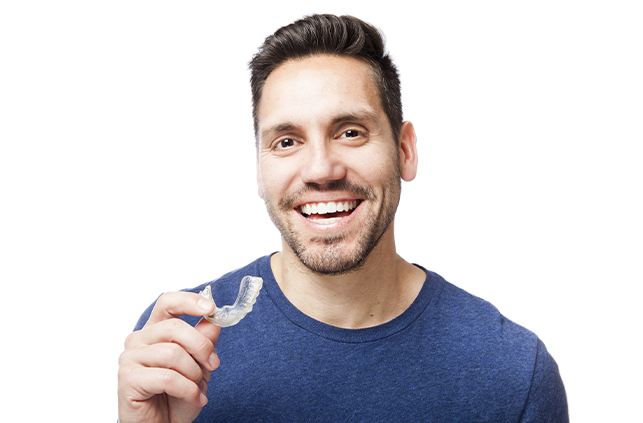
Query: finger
{"type": "Point", "coordinates": [203, 386]}
{"type": "Point", "coordinates": [149, 381]}
{"type": "Point", "coordinates": [177, 331]}
{"type": "Point", "coordinates": [175, 304]}
{"type": "Point", "coordinates": [212, 332]}
{"type": "Point", "coordinates": [167, 355]}
{"type": "Point", "coordinates": [209, 330]}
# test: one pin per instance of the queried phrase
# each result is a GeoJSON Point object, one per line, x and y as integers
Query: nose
{"type": "Point", "coordinates": [322, 164]}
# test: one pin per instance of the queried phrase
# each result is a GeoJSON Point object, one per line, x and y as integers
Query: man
{"type": "Point", "coordinates": [344, 328]}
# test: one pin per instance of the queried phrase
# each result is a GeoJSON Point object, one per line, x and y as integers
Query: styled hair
{"type": "Point", "coordinates": [336, 35]}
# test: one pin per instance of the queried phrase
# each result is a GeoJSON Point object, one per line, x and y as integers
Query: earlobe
{"type": "Point", "coordinates": [408, 152]}
{"type": "Point", "coordinates": [259, 184]}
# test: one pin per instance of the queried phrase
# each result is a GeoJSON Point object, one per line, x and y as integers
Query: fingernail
{"type": "Point", "coordinates": [212, 360]}
{"type": "Point", "coordinates": [204, 304]}
{"type": "Point", "coordinates": [203, 400]}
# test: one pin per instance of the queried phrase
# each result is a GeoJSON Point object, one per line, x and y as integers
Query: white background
{"type": "Point", "coordinates": [127, 169]}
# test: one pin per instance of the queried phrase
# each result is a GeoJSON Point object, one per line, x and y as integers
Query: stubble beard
{"type": "Point", "coordinates": [330, 255]}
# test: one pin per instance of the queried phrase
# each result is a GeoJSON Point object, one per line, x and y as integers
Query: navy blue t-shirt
{"type": "Point", "coordinates": [450, 357]}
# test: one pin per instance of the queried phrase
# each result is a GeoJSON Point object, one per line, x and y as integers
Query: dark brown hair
{"type": "Point", "coordinates": [330, 34]}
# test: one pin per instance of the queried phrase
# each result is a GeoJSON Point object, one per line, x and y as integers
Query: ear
{"type": "Point", "coordinates": [259, 180]}
{"type": "Point", "coordinates": [408, 152]}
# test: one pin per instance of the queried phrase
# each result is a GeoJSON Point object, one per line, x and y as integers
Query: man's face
{"type": "Point", "coordinates": [328, 167]}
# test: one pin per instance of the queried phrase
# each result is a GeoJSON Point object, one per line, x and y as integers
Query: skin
{"type": "Point", "coordinates": [164, 370]}
{"type": "Point", "coordinates": [323, 136]}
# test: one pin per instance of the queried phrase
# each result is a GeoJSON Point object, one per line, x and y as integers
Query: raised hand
{"type": "Point", "coordinates": [165, 368]}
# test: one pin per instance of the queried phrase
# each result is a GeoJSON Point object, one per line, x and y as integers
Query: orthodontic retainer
{"type": "Point", "coordinates": [231, 315]}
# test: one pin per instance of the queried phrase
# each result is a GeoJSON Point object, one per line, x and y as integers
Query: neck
{"type": "Point", "coordinates": [378, 291]}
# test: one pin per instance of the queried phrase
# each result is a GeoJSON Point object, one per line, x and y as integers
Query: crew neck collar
{"type": "Point", "coordinates": [427, 293]}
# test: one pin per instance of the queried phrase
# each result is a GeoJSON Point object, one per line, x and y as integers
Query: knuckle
{"type": "Point", "coordinates": [175, 324]}
{"type": "Point", "coordinates": [130, 340]}
{"type": "Point", "coordinates": [205, 346]}
{"type": "Point", "coordinates": [122, 359]}
{"type": "Point", "coordinates": [174, 328]}
{"type": "Point", "coordinates": [125, 373]}
{"type": "Point", "coordinates": [167, 376]}
{"type": "Point", "coordinates": [162, 300]}
{"type": "Point", "coordinates": [166, 301]}
{"type": "Point", "coordinates": [173, 352]}
{"type": "Point", "coordinates": [193, 390]}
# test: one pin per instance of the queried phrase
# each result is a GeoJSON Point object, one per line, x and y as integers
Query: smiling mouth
{"type": "Point", "coordinates": [328, 210]}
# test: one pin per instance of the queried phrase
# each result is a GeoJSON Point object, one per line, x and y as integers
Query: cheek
{"type": "Point", "coordinates": [272, 180]}
{"type": "Point", "coordinates": [378, 169]}
{"type": "Point", "coordinates": [374, 158]}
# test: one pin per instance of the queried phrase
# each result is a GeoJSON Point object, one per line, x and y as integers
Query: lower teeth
{"type": "Point", "coordinates": [328, 215]}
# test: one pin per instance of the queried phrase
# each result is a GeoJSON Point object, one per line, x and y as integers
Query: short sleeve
{"type": "Point", "coordinates": [144, 317]}
{"type": "Point", "coordinates": [546, 401]}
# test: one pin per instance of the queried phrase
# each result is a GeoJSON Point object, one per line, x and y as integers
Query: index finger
{"type": "Point", "coordinates": [175, 304]}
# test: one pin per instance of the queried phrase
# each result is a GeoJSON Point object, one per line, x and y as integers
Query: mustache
{"type": "Point", "coordinates": [289, 200]}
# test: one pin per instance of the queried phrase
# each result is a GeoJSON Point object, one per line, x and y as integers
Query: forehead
{"type": "Point", "coordinates": [311, 89]}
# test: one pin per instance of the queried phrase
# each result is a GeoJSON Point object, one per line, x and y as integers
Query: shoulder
{"type": "Point", "coordinates": [507, 362]}
{"type": "Point", "coordinates": [479, 323]}
{"type": "Point", "coordinates": [224, 289]}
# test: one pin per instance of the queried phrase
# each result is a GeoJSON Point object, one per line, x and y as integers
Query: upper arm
{"type": "Point", "coordinates": [546, 401]}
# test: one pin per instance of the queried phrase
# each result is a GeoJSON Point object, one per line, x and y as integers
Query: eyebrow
{"type": "Point", "coordinates": [281, 127]}
{"type": "Point", "coordinates": [358, 116]}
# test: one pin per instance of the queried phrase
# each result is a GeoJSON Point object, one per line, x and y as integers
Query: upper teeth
{"type": "Point", "coordinates": [332, 207]}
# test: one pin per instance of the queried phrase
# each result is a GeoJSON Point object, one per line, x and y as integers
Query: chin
{"type": "Point", "coordinates": [334, 256]}
{"type": "Point", "coordinates": [331, 266]}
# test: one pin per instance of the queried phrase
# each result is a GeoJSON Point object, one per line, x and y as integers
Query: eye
{"type": "Point", "coordinates": [352, 136]}
{"type": "Point", "coordinates": [284, 144]}
{"type": "Point", "coordinates": [351, 133]}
